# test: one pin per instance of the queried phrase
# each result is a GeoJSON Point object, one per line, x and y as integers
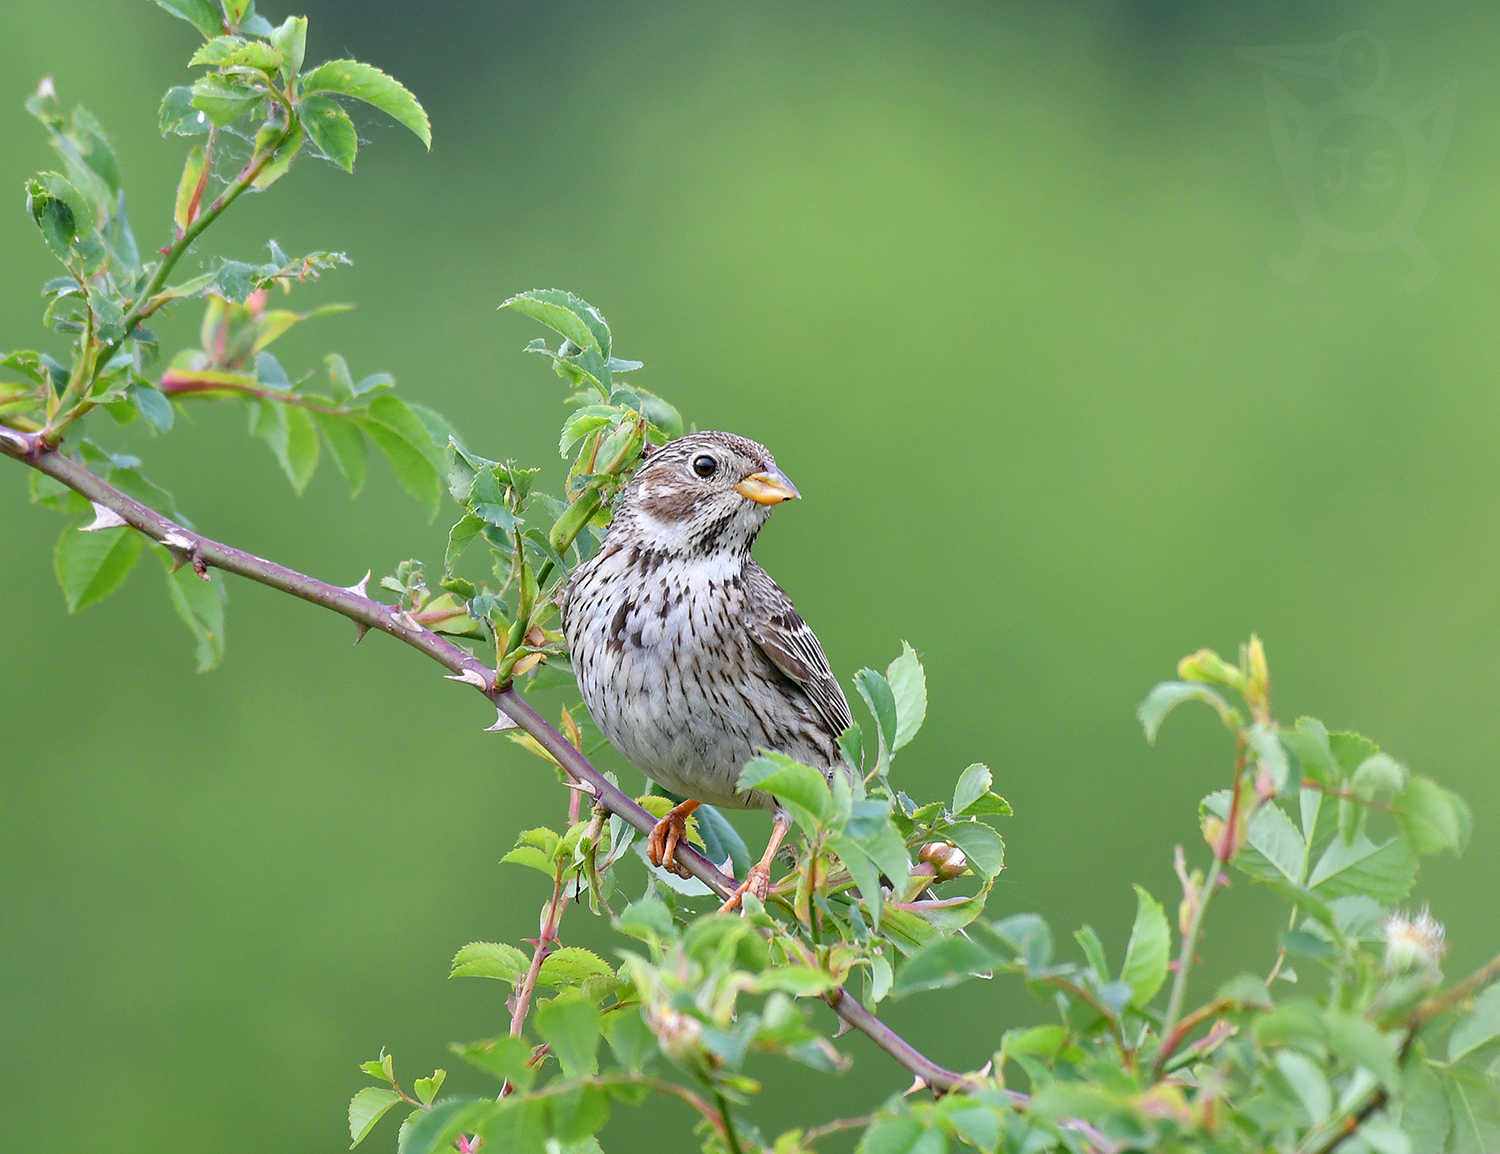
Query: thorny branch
{"type": "Point", "coordinates": [31, 449]}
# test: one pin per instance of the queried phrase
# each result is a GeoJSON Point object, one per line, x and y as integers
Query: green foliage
{"type": "Point", "coordinates": [886, 897]}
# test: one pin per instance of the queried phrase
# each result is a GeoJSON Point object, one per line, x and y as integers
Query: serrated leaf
{"type": "Point", "coordinates": [881, 701]}
{"type": "Point", "coordinates": [1359, 1043]}
{"type": "Point", "coordinates": [570, 1025]}
{"type": "Point", "coordinates": [367, 83]}
{"type": "Point", "coordinates": [984, 848]}
{"type": "Point", "coordinates": [870, 826]}
{"type": "Point", "coordinates": [368, 1107]}
{"type": "Point", "coordinates": [200, 605]}
{"type": "Point", "coordinates": [1309, 742]}
{"type": "Point", "coordinates": [908, 684]}
{"type": "Point", "coordinates": [973, 784]}
{"type": "Point", "coordinates": [439, 1128]}
{"type": "Point", "coordinates": [347, 444]}
{"type": "Point", "coordinates": [529, 855]}
{"type": "Point", "coordinates": [942, 962]}
{"type": "Point", "coordinates": [1431, 817]}
{"type": "Point", "coordinates": [800, 788]}
{"type": "Point", "coordinates": [414, 458]}
{"type": "Point", "coordinates": [330, 129]}
{"type": "Point", "coordinates": [90, 566]}
{"type": "Point", "coordinates": [1479, 1027]}
{"type": "Point", "coordinates": [865, 873]}
{"type": "Point", "coordinates": [224, 100]}
{"type": "Point", "coordinates": [427, 1088]}
{"type": "Point", "coordinates": [565, 314]}
{"type": "Point", "coordinates": [238, 52]}
{"type": "Point", "coordinates": [300, 460]}
{"type": "Point", "coordinates": [489, 960]}
{"type": "Point", "coordinates": [201, 14]}
{"type": "Point", "coordinates": [178, 116]}
{"type": "Point", "coordinates": [1168, 695]}
{"type": "Point", "coordinates": [1308, 1083]}
{"type": "Point", "coordinates": [572, 966]}
{"type": "Point", "coordinates": [1149, 951]}
{"type": "Point", "coordinates": [1384, 872]}
{"type": "Point", "coordinates": [290, 39]}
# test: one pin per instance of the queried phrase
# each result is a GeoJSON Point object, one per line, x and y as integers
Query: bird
{"type": "Point", "coordinates": [690, 658]}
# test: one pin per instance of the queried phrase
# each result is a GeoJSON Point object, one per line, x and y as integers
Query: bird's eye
{"type": "Point", "coordinates": [705, 466]}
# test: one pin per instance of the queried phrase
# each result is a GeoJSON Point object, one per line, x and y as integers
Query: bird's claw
{"type": "Point", "coordinates": [662, 842]}
{"type": "Point", "coordinates": [757, 882]}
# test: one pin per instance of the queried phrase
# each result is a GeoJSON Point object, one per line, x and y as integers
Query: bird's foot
{"type": "Point", "coordinates": [662, 841]}
{"type": "Point", "coordinates": [758, 883]}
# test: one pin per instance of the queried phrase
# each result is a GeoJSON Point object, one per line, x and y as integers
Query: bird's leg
{"type": "Point", "coordinates": [758, 880]}
{"type": "Point", "coordinates": [661, 842]}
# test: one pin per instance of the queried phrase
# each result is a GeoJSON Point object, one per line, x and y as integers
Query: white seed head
{"type": "Point", "coordinates": [1412, 941]}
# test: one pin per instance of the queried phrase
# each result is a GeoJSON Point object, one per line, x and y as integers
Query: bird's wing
{"type": "Point", "coordinates": [793, 647]}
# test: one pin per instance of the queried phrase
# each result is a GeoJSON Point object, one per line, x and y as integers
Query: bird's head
{"type": "Point", "coordinates": [703, 493]}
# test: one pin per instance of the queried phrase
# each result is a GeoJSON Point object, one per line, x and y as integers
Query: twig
{"type": "Point", "coordinates": [835, 1126]}
{"type": "Point", "coordinates": [31, 449]}
{"type": "Point", "coordinates": [539, 954]}
{"type": "Point", "coordinates": [1189, 1023]}
{"type": "Point", "coordinates": [727, 1127]}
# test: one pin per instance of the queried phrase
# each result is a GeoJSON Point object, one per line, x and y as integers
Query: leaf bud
{"type": "Point", "coordinates": [1208, 666]}
{"type": "Point", "coordinates": [1257, 687]}
{"type": "Point", "coordinates": [949, 861]}
{"type": "Point", "coordinates": [574, 518]}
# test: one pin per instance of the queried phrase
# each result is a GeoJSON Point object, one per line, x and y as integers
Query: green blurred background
{"type": "Point", "coordinates": [991, 281]}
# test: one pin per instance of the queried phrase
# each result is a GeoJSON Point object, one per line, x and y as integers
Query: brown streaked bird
{"type": "Point", "coordinates": [690, 659]}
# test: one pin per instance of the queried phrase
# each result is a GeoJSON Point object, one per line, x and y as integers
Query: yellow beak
{"type": "Point", "coordinates": [768, 488]}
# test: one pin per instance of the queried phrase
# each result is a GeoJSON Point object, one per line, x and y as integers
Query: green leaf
{"type": "Point", "coordinates": [330, 128]}
{"type": "Point", "coordinates": [187, 188]}
{"type": "Point", "coordinates": [368, 1106]}
{"type": "Point", "coordinates": [863, 870]}
{"type": "Point", "coordinates": [629, 1037]}
{"type": "Point", "coordinates": [347, 444]}
{"type": "Point", "coordinates": [944, 961]}
{"type": "Point", "coordinates": [1482, 1025]}
{"type": "Point", "coordinates": [1309, 742]}
{"type": "Point", "coordinates": [984, 848]}
{"type": "Point", "coordinates": [152, 404]}
{"type": "Point", "coordinates": [439, 1128]}
{"type": "Point", "coordinates": [1308, 1083]}
{"type": "Point", "coordinates": [799, 981]}
{"type": "Point", "coordinates": [646, 919]}
{"type": "Point", "coordinates": [290, 144]}
{"type": "Point", "coordinates": [721, 840]}
{"type": "Point", "coordinates": [1093, 950]}
{"type": "Point", "coordinates": [508, 1059]}
{"type": "Point", "coordinates": [290, 39]}
{"type": "Point", "coordinates": [201, 14]}
{"type": "Point", "coordinates": [178, 116]}
{"type": "Point", "coordinates": [800, 788]}
{"type": "Point", "coordinates": [1029, 936]}
{"type": "Point", "coordinates": [490, 960]}
{"type": "Point", "coordinates": [1384, 872]}
{"type": "Point", "coordinates": [870, 826]}
{"type": "Point", "coordinates": [1431, 817]}
{"type": "Point", "coordinates": [909, 687]}
{"type": "Point", "coordinates": [300, 460]}
{"type": "Point", "coordinates": [200, 604]}
{"type": "Point", "coordinates": [237, 52]}
{"type": "Point", "coordinates": [224, 100]}
{"type": "Point", "coordinates": [572, 966]}
{"type": "Point", "coordinates": [1377, 774]}
{"type": "Point", "coordinates": [973, 784]}
{"type": "Point", "coordinates": [881, 701]}
{"type": "Point", "coordinates": [415, 459]}
{"type": "Point", "coordinates": [1270, 754]}
{"type": "Point", "coordinates": [900, 1135]}
{"type": "Point", "coordinates": [1168, 695]}
{"type": "Point", "coordinates": [570, 1025]}
{"type": "Point", "coordinates": [1359, 1043]}
{"type": "Point", "coordinates": [427, 1088]}
{"type": "Point", "coordinates": [91, 565]}
{"type": "Point", "coordinates": [1350, 750]}
{"type": "Point", "coordinates": [528, 855]}
{"type": "Point", "coordinates": [1276, 844]}
{"type": "Point", "coordinates": [1146, 956]}
{"type": "Point", "coordinates": [565, 314]}
{"type": "Point", "coordinates": [366, 82]}
{"type": "Point", "coordinates": [62, 212]}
